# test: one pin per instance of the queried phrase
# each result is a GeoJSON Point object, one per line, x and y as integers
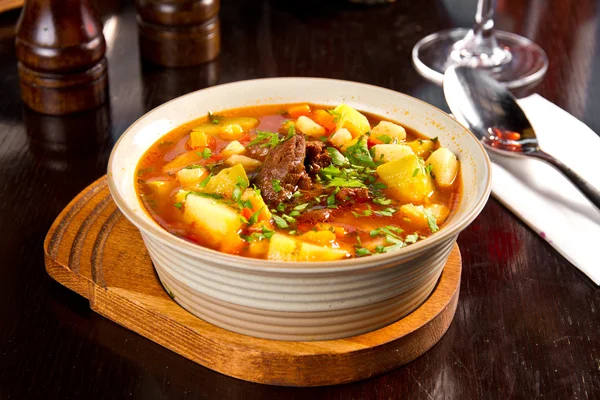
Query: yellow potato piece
{"type": "Point", "coordinates": [249, 164]}
{"type": "Point", "coordinates": [386, 129]}
{"type": "Point", "coordinates": [283, 248]}
{"type": "Point", "coordinates": [224, 182]}
{"type": "Point", "coordinates": [160, 187]}
{"type": "Point", "coordinates": [198, 140]}
{"type": "Point", "coordinates": [407, 179]}
{"type": "Point", "coordinates": [312, 252]}
{"type": "Point", "coordinates": [191, 176]}
{"type": "Point", "coordinates": [422, 147]}
{"type": "Point", "coordinates": [390, 152]}
{"type": "Point", "coordinates": [228, 128]}
{"type": "Point", "coordinates": [444, 167]}
{"type": "Point", "coordinates": [309, 127]}
{"type": "Point", "coordinates": [233, 148]}
{"type": "Point", "coordinates": [213, 220]}
{"type": "Point", "coordinates": [341, 138]}
{"type": "Point", "coordinates": [322, 238]}
{"type": "Point", "coordinates": [352, 120]}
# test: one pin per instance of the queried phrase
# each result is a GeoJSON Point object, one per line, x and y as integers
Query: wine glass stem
{"type": "Point", "coordinates": [480, 48]}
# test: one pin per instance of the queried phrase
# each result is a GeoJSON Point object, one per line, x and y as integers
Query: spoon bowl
{"type": "Point", "coordinates": [492, 113]}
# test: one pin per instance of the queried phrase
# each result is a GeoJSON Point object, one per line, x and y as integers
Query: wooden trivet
{"type": "Point", "coordinates": [93, 250]}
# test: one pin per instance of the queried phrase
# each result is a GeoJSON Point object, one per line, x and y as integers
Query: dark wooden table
{"type": "Point", "coordinates": [527, 324]}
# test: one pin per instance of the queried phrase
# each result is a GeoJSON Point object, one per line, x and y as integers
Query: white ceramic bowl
{"type": "Point", "coordinates": [299, 301]}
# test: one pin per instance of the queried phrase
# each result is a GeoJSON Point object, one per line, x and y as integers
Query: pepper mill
{"type": "Point", "coordinates": [60, 48]}
{"type": "Point", "coordinates": [179, 33]}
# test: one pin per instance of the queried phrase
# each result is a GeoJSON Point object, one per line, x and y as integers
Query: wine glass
{"type": "Point", "coordinates": [511, 59]}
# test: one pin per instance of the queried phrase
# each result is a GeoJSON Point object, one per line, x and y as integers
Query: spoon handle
{"type": "Point", "coordinates": [584, 186]}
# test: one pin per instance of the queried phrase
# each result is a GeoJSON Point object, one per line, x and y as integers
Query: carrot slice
{"type": "Point", "coordinates": [299, 110]}
{"type": "Point", "coordinates": [324, 119]}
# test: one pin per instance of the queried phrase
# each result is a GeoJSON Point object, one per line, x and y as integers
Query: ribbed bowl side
{"type": "Point", "coordinates": [295, 305]}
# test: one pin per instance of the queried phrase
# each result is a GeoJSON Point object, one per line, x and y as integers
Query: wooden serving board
{"type": "Point", "coordinates": [93, 250]}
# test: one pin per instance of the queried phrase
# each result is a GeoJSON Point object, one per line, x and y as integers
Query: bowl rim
{"type": "Point", "coordinates": [246, 263]}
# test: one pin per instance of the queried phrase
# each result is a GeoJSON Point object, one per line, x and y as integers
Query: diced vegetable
{"type": "Point", "coordinates": [225, 181]}
{"type": "Point", "coordinates": [282, 248]}
{"type": "Point", "coordinates": [444, 166]}
{"type": "Point", "coordinates": [227, 128]}
{"type": "Point", "coordinates": [181, 195]}
{"type": "Point", "coordinates": [390, 152]}
{"type": "Point", "coordinates": [311, 252]}
{"type": "Point", "coordinates": [231, 132]}
{"type": "Point", "coordinates": [232, 148]}
{"type": "Point", "coordinates": [285, 248]}
{"type": "Point", "coordinates": [182, 160]}
{"type": "Point", "coordinates": [309, 127]}
{"type": "Point", "coordinates": [215, 221]}
{"type": "Point", "coordinates": [418, 216]}
{"type": "Point", "coordinates": [258, 248]}
{"type": "Point", "coordinates": [160, 187]}
{"type": "Point", "coordinates": [388, 132]}
{"type": "Point", "coordinates": [232, 243]}
{"type": "Point", "coordinates": [407, 179]}
{"type": "Point", "coordinates": [191, 176]}
{"type": "Point", "coordinates": [249, 164]}
{"type": "Point", "coordinates": [342, 137]}
{"type": "Point", "coordinates": [324, 119]}
{"type": "Point", "coordinates": [199, 140]}
{"type": "Point", "coordinates": [422, 147]}
{"type": "Point", "coordinates": [298, 110]}
{"type": "Point", "coordinates": [322, 238]}
{"type": "Point", "coordinates": [347, 117]}
{"type": "Point", "coordinates": [258, 205]}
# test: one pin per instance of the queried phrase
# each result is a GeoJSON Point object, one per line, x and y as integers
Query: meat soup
{"type": "Point", "coordinates": [298, 183]}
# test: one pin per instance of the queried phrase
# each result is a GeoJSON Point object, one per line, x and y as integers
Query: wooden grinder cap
{"type": "Point", "coordinates": [60, 48]}
{"type": "Point", "coordinates": [179, 33]}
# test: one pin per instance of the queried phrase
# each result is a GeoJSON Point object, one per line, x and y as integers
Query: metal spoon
{"type": "Point", "coordinates": [491, 112]}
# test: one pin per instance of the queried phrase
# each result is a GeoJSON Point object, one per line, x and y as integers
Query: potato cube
{"type": "Point", "coordinates": [258, 248]}
{"type": "Point", "coordinates": [341, 137]}
{"type": "Point", "coordinates": [191, 176]}
{"type": "Point", "coordinates": [322, 238]}
{"type": "Point", "coordinates": [225, 181]}
{"type": "Point", "coordinates": [198, 140]}
{"type": "Point", "coordinates": [418, 216]}
{"type": "Point", "coordinates": [233, 148]}
{"type": "Point", "coordinates": [407, 179]}
{"type": "Point", "coordinates": [249, 164]}
{"type": "Point", "coordinates": [231, 132]}
{"type": "Point", "coordinates": [283, 248]}
{"type": "Point", "coordinates": [160, 187]}
{"type": "Point", "coordinates": [444, 167]}
{"type": "Point", "coordinates": [309, 127]}
{"type": "Point", "coordinates": [347, 117]}
{"type": "Point", "coordinates": [388, 132]}
{"type": "Point", "coordinates": [215, 221]}
{"type": "Point", "coordinates": [390, 152]}
{"type": "Point", "coordinates": [181, 195]}
{"type": "Point", "coordinates": [312, 252]}
{"type": "Point", "coordinates": [422, 147]}
{"type": "Point", "coordinates": [216, 129]}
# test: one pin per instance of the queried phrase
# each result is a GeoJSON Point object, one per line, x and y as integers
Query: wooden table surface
{"type": "Point", "coordinates": [527, 324]}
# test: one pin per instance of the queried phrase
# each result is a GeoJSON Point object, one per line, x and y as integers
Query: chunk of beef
{"type": "Point", "coordinates": [314, 216]}
{"type": "Point", "coordinates": [317, 157]}
{"type": "Point", "coordinates": [285, 163]}
{"type": "Point", "coordinates": [358, 195]}
{"type": "Point", "coordinates": [257, 152]}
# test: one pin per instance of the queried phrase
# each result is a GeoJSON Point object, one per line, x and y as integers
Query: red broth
{"type": "Point", "coordinates": [322, 218]}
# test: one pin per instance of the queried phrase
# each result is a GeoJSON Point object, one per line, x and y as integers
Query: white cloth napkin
{"type": "Point", "coordinates": [542, 197]}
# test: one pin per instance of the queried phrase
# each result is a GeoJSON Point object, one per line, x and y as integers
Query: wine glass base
{"type": "Point", "coordinates": [528, 63]}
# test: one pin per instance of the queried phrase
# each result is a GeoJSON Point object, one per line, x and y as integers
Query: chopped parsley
{"type": "Point", "coordinates": [431, 221]}
{"type": "Point", "coordinates": [341, 182]}
{"type": "Point", "coordinates": [206, 153]}
{"type": "Point", "coordinates": [280, 222]}
{"type": "Point", "coordinates": [385, 139]}
{"type": "Point", "coordinates": [383, 201]}
{"type": "Point", "coordinates": [388, 212]}
{"type": "Point", "coordinates": [268, 139]}
{"type": "Point", "coordinates": [276, 185]}
{"type": "Point", "coordinates": [409, 239]}
{"type": "Point", "coordinates": [361, 251]}
{"type": "Point", "coordinates": [337, 158]}
{"type": "Point", "coordinates": [336, 115]}
{"type": "Point", "coordinates": [204, 182]}
{"type": "Point", "coordinates": [193, 166]}
{"type": "Point", "coordinates": [359, 154]}
{"type": "Point", "coordinates": [209, 195]}
{"type": "Point", "coordinates": [254, 217]}
{"type": "Point", "coordinates": [178, 205]}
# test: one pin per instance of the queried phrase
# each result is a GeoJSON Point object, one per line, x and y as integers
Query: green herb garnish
{"type": "Point", "coordinates": [276, 185]}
